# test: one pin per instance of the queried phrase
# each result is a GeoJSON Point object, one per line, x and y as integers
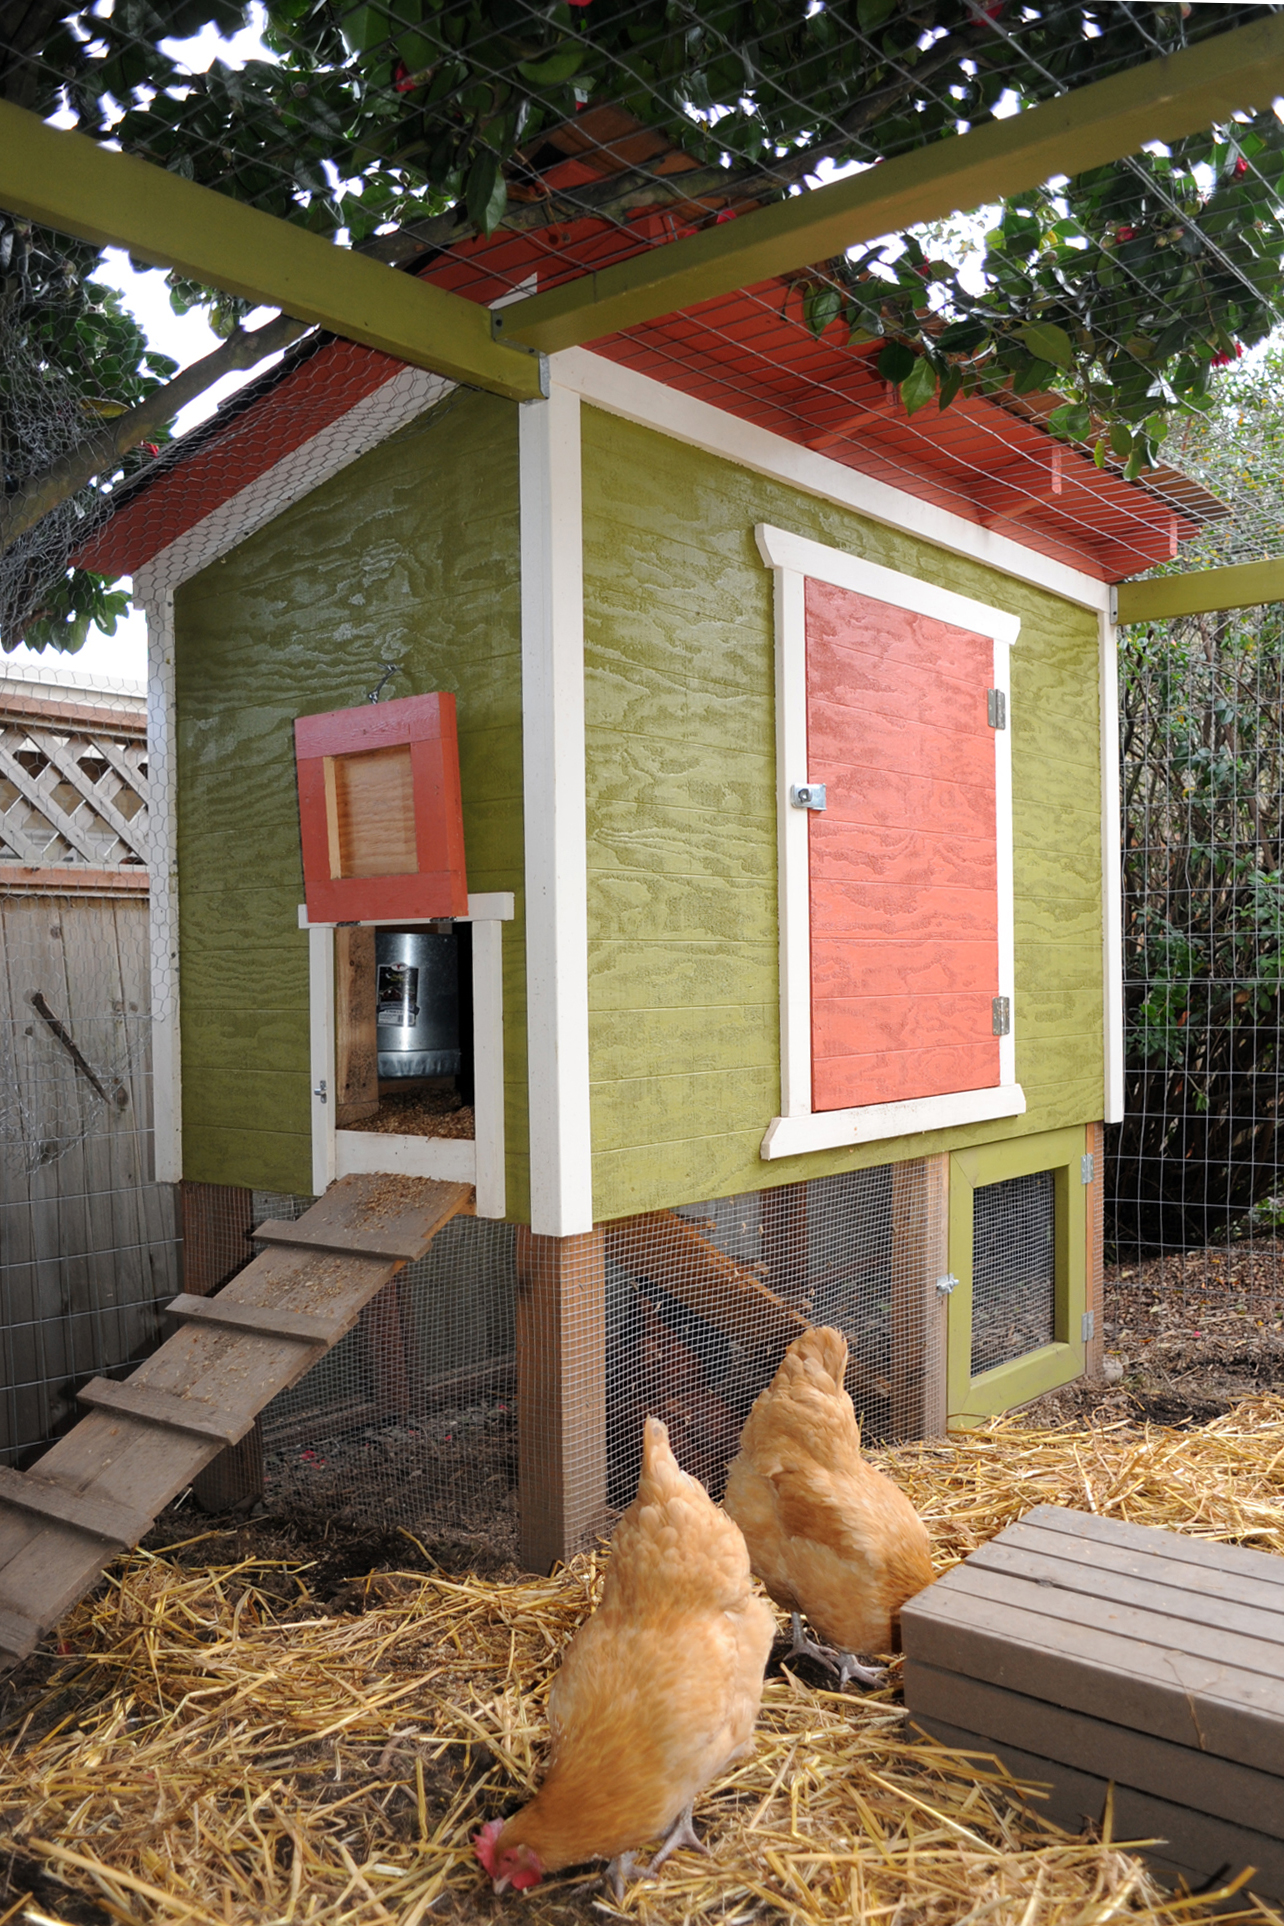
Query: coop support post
{"type": "Point", "coordinates": [561, 1394]}
{"type": "Point", "coordinates": [216, 1221]}
{"type": "Point", "coordinates": [356, 1042]}
{"type": "Point", "coordinates": [920, 1249]}
{"type": "Point", "coordinates": [162, 866]}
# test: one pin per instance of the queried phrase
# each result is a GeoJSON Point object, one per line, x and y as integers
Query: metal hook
{"type": "Point", "coordinates": [389, 670]}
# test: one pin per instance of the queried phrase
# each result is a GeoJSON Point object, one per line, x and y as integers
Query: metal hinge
{"type": "Point", "coordinates": [996, 708]}
{"type": "Point", "coordinates": [1087, 1325]}
{"type": "Point", "coordinates": [1001, 1015]}
{"type": "Point", "coordinates": [1087, 1167]}
{"type": "Point", "coordinates": [946, 1284]}
{"type": "Point", "coordinates": [320, 1091]}
{"type": "Point", "coordinates": [808, 795]}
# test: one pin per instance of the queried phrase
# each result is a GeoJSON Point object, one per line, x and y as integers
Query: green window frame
{"type": "Point", "coordinates": [971, 1399]}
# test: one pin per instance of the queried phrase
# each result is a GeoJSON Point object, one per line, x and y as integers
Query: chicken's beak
{"type": "Point", "coordinates": [500, 1885]}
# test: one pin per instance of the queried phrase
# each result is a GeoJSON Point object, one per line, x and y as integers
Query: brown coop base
{"type": "Point", "coordinates": [493, 1394]}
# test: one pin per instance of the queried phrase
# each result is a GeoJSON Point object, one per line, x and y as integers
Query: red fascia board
{"type": "Point", "coordinates": [318, 393]}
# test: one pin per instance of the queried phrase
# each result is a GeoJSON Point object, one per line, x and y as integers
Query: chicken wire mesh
{"type": "Point", "coordinates": [1014, 1269]}
{"type": "Point", "coordinates": [494, 1392]}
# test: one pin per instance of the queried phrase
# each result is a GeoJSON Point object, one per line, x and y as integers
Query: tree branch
{"type": "Point", "coordinates": [110, 443]}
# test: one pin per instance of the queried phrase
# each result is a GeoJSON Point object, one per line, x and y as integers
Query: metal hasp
{"type": "Point", "coordinates": [808, 795]}
{"type": "Point", "coordinates": [1001, 1015]}
{"type": "Point", "coordinates": [1087, 1167]}
{"type": "Point", "coordinates": [996, 708]}
{"type": "Point", "coordinates": [947, 1285]}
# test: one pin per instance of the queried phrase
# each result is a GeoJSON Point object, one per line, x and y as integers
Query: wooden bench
{"type": "Point", "coordinates": [1084, 1652]}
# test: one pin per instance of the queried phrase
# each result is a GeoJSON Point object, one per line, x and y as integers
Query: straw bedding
{"type": "Point", "coordinates": [216, 1747]}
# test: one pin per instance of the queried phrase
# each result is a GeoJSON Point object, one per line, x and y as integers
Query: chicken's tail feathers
{"type": "Point", "coordinates": [820, 1351]}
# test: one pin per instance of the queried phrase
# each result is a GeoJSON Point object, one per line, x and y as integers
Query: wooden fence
{"type": "Point", "coordinates": [88, 1243]}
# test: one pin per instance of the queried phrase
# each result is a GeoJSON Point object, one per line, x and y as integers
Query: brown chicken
{"type": "Point", "coordinates": [830, 1537]}
{"type": "Point", "coordinates": [658, 1691]}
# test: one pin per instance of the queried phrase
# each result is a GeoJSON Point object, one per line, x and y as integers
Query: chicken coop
{"type": "Point", "coordinates": [683, 808]}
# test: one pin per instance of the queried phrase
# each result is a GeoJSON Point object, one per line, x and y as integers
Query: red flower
{"type": "Point", "coordinates": [402, 78]}
{"type": "Point", "coordinates": [1240, 169]}
{"type": "Point", "coordinates": [1224, 360]}
{"type": "Point", "coordinates": [578, 3]}
{"type": "Point", "coordinates": [149, 447]}
{"type": "Point", "coordinates": [1125, 233]}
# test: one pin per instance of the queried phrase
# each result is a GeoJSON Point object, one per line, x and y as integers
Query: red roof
{"type": "Point", "coordinates": [749, 353]}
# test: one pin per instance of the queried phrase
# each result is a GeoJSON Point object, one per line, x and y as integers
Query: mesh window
{"type": "Point", "coordinates": [1014, 1269]}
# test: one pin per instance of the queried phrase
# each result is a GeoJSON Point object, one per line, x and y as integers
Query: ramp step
{"type": "Point", "coordinates": [345, 1243]}
{"type": "Point", "coordinates": [265, 1321]}
{"type": "Point", "coordinates": [134, 1400]}
{"type": "Point", "coordinates": [19, 1636]}
{"type": "Point", "coordinates": [103, 1518]}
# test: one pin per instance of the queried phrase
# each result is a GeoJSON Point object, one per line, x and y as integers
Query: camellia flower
{"type": "Point", "coordinates": [1125, 233]}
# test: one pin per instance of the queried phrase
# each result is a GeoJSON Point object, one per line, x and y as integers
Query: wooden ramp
{"type": "Point", "coordinates": [97, 1491]}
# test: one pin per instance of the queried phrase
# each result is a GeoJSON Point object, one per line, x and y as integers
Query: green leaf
{"type": "Point", "coordinates": [1047, 342]}
{"type": "Point", "coordinates": [560, 65]}
{"type": "Point", "coordinates": [895, 362]}
{"type": "Point", "coordinates": [919, 385]}
{"type": "Point", "coordinates": [872, 14]}
{"type": "Point", "coordinates": [486, 194]}
{"type": "Point", "coordinates": [820, 305]}
{"type": "Point", "coordinates": [1120, 440]}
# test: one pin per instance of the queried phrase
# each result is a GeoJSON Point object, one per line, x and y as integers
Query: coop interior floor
{"type": "Point", "coordinates": [284, 1718]}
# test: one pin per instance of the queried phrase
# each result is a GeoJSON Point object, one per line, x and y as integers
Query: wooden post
{"type": "Point", "coordinates": [216, 1222]}
{"type": "Point", "coordinates": [383, 1328]}
{"type": "Point", "coordinates": [356, 1035]}
{"type": "Point", "coordinates": [920, 1251]}
{"type": "Point", "coordinates": [1094, 1351]}
{"type": "Point", "coordinates": [561, 1394]}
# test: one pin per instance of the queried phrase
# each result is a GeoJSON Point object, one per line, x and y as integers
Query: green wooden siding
{"type": "Point", "coordinates": [683, 968]}
{"type": "Point", "coordinates": [412, 554]}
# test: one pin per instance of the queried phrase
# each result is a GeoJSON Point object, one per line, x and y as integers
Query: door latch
{"type": "Point", "coordinates": [808, 795]}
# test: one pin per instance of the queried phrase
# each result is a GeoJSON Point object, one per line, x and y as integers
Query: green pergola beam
{"type": "Point", "coordinates": [68, 182]}
{"type": "Point", "coordinates": [1159, 100]}
{"type": "Point", "coordinates": [1202, 592]}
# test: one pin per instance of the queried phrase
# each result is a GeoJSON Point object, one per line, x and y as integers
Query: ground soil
{"type": "Point", "coordinates": [1187, 1336]}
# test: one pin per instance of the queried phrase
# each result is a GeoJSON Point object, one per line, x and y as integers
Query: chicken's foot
{"type": "Point", "coordinates": [620, 1869]}
{"type": "Point", "coordinates": [846, 1664]}
{"type": "Point", "coordinates": [681, 1833]}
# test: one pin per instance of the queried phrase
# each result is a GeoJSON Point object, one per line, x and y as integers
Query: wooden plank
{"type": "Point", "coordinates": [68, 182]}
{"type": "Point", "coordinates": [356, 1040]}
{"type": "Point", "coordinates": [19, 1636]}
{"type": "Point", "coordinates": [114, 1524]}
{"type": "Point", "coordinates": [920, 1254]}
{"type": "Point", "coordinates": [1168, 1578]}
{"type": "Point", "coordinates": [1195, 1846]}
{"type": "Point", "coordinates": [1095, 1202]}
{"type": "Point", "coordinates": [1172, 1546]}
{"type": "Point", "coordinates": [295, 1325]}
{"type": "Point", "coordinates": [1222, 1787]}
{"type": "Point", "coordinates": [561, 1393]}
{"type": "Point", "coordinates": [1203, 591]}
{"type": "Point", "coordinates": [1191, 1621]}
{"type": "Point", "coordinates": [281, 1231]}
{"type": "Point", "coordinates": [1206, 1703]}
{"type": "Point", "coordinates": [143, 1464]}
{"type": "Point", "coordinates": [150, 1406]}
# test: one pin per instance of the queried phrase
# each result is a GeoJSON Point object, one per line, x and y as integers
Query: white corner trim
{"type": "Point", "coordinates": [875, 1122]}
{"type": "Point", "coordinates": [369, 421]}
{"type": "Point", "coordinates": [780, 549]}
{"type": "Point", "coordinates": [651, 404]}
{"type": "Point", "coordinates": [1111, 876]}
{"type": "Point", "coordinates": [792, 559]}
{"type": "Point", "coordinates": [553, 760]}
{"type": "Point", "coordinates": [162, 864]}
{"type": "Point", "coordinates": [488, 1062]}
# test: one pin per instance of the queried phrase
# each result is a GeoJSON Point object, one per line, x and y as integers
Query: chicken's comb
{"type": "Point", "coordinates": [484, 1844]}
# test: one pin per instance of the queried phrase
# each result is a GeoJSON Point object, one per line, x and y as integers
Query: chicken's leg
{"type": "Point", "coordinates": [846, 1664]}
{"type": "Point", "coordinates": [681, 1833]}
{"type": "Point", "coordinates": [620, 1869]}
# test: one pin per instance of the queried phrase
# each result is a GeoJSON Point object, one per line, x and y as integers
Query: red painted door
{"type": "Point", "coordinates": [904, 886]}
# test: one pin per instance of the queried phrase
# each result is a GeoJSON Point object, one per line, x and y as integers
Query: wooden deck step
{"type": "Point", "coordinates": [144, 1440]}
{"type": "Point", "coordinates": [1086, 1652]}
